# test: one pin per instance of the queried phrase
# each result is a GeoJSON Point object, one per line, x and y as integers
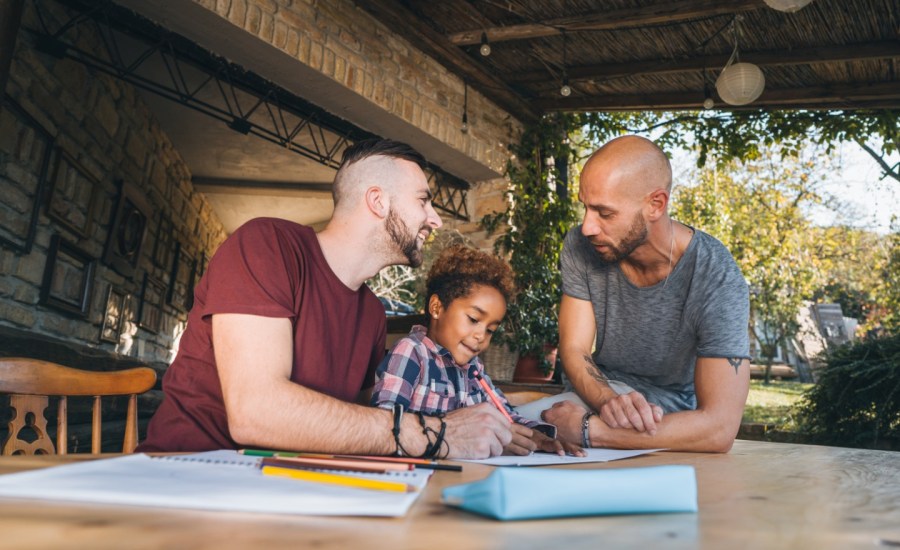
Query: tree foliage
{"type": "Point", "coordinates": [531, 232]}
{"type": "Point", "coordinates": [744, 135]}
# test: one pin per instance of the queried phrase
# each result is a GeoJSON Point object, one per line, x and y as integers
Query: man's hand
{"type": "Point", "coordinates": [550, 445]}
{"type": "Point", "coordinates": [477, 432]}
{"type": "Point", "coordinates": [566, 416]}
{"type": "Point", "coordinates": [522, 441]}
{"type": "Point", "coordinates": [631, 410]}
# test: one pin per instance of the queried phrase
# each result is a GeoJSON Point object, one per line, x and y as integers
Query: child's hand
{"type": "Point", "coordinates": [549, 445]}
{"type": "Point", "coordinates": [522, 441]}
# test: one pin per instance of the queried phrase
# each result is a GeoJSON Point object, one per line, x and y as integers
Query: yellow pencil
{"type": "Point", "coordinates": [337, 479]}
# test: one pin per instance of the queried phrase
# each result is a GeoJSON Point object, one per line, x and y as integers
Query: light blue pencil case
{"type": "Point", "coordinates": [530, 493]}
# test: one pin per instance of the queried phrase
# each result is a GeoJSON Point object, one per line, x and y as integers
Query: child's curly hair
{"type": "Point", "coordinates": [459, 268]}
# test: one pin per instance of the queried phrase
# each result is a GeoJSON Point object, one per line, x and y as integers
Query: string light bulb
{"type": "Point", "coordinates": [485, 48]}
{"type": "Point", "coordinates": [566, 90]}
{"type": "Point", "coordinates": [465, 118]}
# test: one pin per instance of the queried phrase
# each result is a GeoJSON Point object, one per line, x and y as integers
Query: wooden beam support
{"type": "Point", "coordinates": [663, 12]}
{"type": "Point", "coordinates": [882, 95]}
{"type": "Point", "coordinates": [886, 49]}
{"type": "Point", "coordinates": [407, 25]}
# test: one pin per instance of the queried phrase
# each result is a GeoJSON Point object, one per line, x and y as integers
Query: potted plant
{"type": "Point", "coordinates": [539, 213]}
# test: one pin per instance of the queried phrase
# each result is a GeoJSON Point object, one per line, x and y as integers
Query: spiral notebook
{"type": "Point", "coordinates": [214, 480]}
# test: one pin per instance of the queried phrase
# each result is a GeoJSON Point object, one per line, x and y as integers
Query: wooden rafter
{"type": "Point", "coordinates": [667, 12]}
{"type": "Point", "coordinates": [878, 95]}
{"type": "Point", "coordinates": [852, 52]}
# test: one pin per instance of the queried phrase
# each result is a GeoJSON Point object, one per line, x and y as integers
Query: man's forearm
{"type": "Point", "coordinates": [588, 380]}
{"type": "Point", "coordinates": [696, 431]}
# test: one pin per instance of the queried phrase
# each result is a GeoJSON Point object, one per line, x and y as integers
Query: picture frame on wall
{"type": "Point", "coordinates": [73, 196]}
{"type": "Point", "coordinates": [114, 315]}
{"type": "Point", "coordinates": [150, 314]}
{"type": "Point", "coordinates": [26, 153]}
{"type": "Point", "coordinates": [181, 281]}
{"type": "Point", "coordinates": [164, 246]}
{"type": "Point", "coordinates": [127, 230]}
{"type": "Point", "coordinates": [68, 278]}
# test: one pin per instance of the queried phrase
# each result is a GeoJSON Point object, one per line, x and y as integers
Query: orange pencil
{"type": "Point", "coordinates": [493, 396]}
{"type": "Point", "coordinates": [338, 464]}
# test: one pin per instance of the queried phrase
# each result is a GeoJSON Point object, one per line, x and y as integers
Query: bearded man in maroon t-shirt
{"type": "Point", "coordinates": [284, 336]}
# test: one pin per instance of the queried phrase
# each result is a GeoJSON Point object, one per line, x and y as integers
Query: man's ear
{"type": "Point", "coordinates": [377, 201]}
{"type": "Point", "coordinates": [657, 204]}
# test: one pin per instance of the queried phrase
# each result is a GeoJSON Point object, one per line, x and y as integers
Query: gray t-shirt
{"type": "Point", "coordinates": [650, 337]}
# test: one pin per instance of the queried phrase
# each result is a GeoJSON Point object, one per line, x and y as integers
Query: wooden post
{"type": "Point", "coordinates": [10, 18]}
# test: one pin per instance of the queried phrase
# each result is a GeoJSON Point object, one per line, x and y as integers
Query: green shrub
{"type": "Point", "coordinates": [856, 402]}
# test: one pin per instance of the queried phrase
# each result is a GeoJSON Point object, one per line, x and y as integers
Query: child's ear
{"type": "Point", "coordinates": [434, 306]}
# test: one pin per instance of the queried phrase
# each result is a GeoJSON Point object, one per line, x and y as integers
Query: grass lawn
{"type": "Point", "coordinates": [771, 404]}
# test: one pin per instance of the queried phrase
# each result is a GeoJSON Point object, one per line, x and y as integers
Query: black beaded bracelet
{"type": "Point", "coordinates": [398, 416]}
{"type": "Point", "coordinates": [586, 429]}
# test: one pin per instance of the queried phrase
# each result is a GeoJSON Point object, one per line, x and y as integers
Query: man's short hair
{"type": "Point", "coordinates": [367, 148]}
{"type": "Point", "coordinates": [384, 147]}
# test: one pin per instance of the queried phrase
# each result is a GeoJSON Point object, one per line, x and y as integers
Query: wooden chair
{"type": "Point", "coordinates": [30, 383]}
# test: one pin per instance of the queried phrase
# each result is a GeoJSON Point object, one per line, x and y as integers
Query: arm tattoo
{"type": "Point", "coordinates": [593, 370]}
{"type": "Point", "coordinates": [735, 362]}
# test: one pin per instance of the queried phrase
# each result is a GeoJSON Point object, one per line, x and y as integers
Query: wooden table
{"type": "Point", "coordinates": [761, 495]}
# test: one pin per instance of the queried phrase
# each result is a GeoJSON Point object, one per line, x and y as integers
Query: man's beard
{"type": "Point", "coordinates": [636, 236]}
{"type": "Point", "coordinates": [405, 239]}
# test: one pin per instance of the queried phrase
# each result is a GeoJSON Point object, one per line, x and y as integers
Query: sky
{"type": "Point", "coordinates": [870, 202]}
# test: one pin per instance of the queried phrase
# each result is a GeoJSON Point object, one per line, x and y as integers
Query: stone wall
{"type": "Point", "coordinates": [110, 176]}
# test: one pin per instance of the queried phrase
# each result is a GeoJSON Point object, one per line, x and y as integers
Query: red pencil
{"type": "Point", "coordinates": [493, 396]}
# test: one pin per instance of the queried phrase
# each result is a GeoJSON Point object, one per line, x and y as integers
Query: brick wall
{"type": "Point", "coordinates": [106, 139]}
{"type": "Point", "coordinates": [345, 43]}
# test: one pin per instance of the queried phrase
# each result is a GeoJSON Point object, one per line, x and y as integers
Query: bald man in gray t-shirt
{"type": "Point", "coordinates": [654, 316]}
{"type": "Point", "coordinates": [650, 338]}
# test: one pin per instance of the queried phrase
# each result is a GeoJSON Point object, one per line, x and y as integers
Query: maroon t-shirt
{"type": "Point", "coordinates": [272, 268]}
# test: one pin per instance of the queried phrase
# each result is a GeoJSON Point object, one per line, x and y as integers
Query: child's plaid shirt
{"type": "Point", "coordinates": [422, 376]}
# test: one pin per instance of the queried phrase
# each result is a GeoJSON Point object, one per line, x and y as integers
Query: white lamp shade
{"type": "Point", "coordinates": [787, 5]}
{"type": "Point", "coordinates": [740, 83]}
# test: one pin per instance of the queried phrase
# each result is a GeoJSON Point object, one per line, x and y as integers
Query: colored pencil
{"type": "Point", "coordinates": [423, 463]}
{"type": "Point", "coordinates": [338, 479]}
{"type": "Point", "coordinates": [336, 464]}
{"type": "Point", "coordinates": [493, 397]}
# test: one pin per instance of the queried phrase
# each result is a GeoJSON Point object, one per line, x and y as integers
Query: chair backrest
{"type": "Point", "coordinates": [30, 383]}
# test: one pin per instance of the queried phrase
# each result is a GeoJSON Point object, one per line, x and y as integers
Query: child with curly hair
{"type": "Point", "coordinates": [436, 370]}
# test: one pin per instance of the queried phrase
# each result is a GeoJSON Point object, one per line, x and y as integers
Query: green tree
{"type": "Point", "coordinates": [853, 266]}
{"type": "Point", "coordinates": [757, 210]}
{"type": "Point", "coordinates": [888, 292]}
{"type": "Point", "coordinates": [745, 135]}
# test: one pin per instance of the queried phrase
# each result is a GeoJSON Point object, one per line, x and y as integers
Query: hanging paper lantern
{"type": "Point", "coordinates": [787, 5]}
{"type": "Point", "coordinates": [740, 83]}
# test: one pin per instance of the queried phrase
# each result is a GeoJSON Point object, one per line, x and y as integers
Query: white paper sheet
{"type": "Point", "coordinates": [547, 459]}
{"type": "Point", "coordinates": [217, 480]}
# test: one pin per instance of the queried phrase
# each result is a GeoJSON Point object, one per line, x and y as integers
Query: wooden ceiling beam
{"type": "Point", "coordinates": [664, 12]}
{"type": "Point", "coordinates": [434, 44]}
{"type": "Point", "coordinates": [884, 95]}
{"type": "Point", "coordinates": [771, 58]}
